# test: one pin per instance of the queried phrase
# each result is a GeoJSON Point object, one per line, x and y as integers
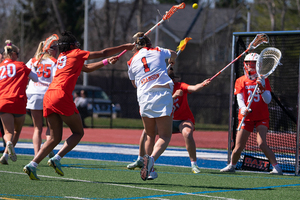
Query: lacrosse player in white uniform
{"type": "Point", "coordinates": [147, 71]}
{"type": "Point", "coordinates": [35, 91]}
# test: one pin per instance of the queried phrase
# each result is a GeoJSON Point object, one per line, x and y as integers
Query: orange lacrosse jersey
{"type": "Point", "coordinates": [13, 82]}
{"type": "Point", "coordinates": [259, 107]}
{"type": "Point", "coordinates": [181, 107]}
{"type": "Point", "coordinates": [69, 65]}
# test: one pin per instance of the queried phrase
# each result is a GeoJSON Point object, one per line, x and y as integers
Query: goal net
{"type": "Point", "coordinates": [282, 135]}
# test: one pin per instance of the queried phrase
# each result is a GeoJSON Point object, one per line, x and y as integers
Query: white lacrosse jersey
{"type": "Point", "coordinates": [45, 72]}
{"type": "Point", "coordinates": [148, 68]}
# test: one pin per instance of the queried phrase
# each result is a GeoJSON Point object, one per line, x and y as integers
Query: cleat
{"type": "Point", "coordinates": [228, 168]}
{"type": "Point", "coordinates": [195, 169]}
{"type": "Point", "coordinates": [147, 166]}
{"type": "Point", "coordinates": [3, 161]}
{"type": "Point", "coordinates": [153, 175]}
{"type": "Point", "coordinates": [31, 171]}
{"type": "Point", "coordinates": [137, 163]}
{"type": "Point", "coordinates": [51, 154]}
{"type": "Point", "coordinates": [277, 171]}
{"type": "Point", "coordinates": [11, 151]}
{"type": "Point", "coordinates": [52, 162]}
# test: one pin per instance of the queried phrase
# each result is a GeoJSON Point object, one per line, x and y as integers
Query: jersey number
{"type": "Point", "coordinates": [7, 71]}
{"type": "Point", "coordinates": [44, 70]}
{"type": "Point", "coordinates": [146, 68]}
{"type": "Point", "coordinates": [61, 62]}
{"type": "Point", "coordinates": [256, 97]}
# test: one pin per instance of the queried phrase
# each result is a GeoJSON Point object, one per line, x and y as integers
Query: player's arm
{"type": "Point", "coordinates": [97, 65]}
{"type": "Point", "coordinates": [265, 94]}
{"type": "Point", "coordinates": [198, 87]}
{"type": "Point", "coordinates": [110, 51]}
{"type": "Point", "coordinates": [242, 105]}
{"type": "Point", "coordinates": [133, 83]}
{"type": "Point", "coordinates": [177, 93]}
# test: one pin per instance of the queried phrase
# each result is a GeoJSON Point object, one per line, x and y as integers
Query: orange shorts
{"type": "Point", "coordinates": [249, 125]}
{"type": "Point", "coordinates": [57, 101]}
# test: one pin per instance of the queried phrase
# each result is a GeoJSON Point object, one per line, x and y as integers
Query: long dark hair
{"type": "Point", "coordinates": [65, 41]}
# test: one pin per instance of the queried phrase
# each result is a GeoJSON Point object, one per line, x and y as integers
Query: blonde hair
{"type": "Point", "coordinates": [39, 52]}
{"type": "Point", "coordinates": [141, 40]}
{"type": "Point", "coordinates": [9, 49]}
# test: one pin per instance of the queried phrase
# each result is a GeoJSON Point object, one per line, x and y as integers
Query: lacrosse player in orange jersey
{"type": "Point", "coordinates": [13, 82]}
{"type": "Point", "coordinates": [257, 116]}
{"type": "Point", "coordinates": [58, 105]}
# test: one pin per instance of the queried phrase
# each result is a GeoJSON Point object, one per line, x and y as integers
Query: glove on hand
{"type": "Point", "coordinates": [261, 84]}
{"type": "Point", "coordinates": [245, 111]}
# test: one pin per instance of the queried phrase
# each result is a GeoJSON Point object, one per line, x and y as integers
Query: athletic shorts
{"type": "Point", "coordinates": [35, 101]}
{"type": "Point", "coordinates": [157, 102]}
{"type": "Point", "coordinates": [249, 125]}
{"type": "Point", "coordinates": [57, 101]}
{"type": "Point", "coordinates": [176, 124]}
{"type": "Point", "coordinates": [15, 115]}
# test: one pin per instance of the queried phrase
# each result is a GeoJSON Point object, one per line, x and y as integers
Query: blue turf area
{"type": "Point", "coordinates": [176, 156]}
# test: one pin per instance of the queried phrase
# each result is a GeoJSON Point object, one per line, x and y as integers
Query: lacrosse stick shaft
{"type": "Point", "coordinates": [250, 102]}
{"type": "Point", "coordinates": [156, 25]}
{"type": "Point", "coordinates": [178, 52]}
{"type": "Point", "coordinates": [165, 17]}
{"type": "Point", "coordinates": [217, 74]}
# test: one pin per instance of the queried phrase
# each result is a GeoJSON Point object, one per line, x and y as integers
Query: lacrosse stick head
{"type": "Point", "coordinates": [49, 42]}
{"type": "Point", "coordinates": [258, 40]}
{"type": "Point", "coordinates": [173, 10]}
{"type": "Point", "coordinates": [268, 61]}
{"type": "Point", "coordinates": [250, 65]}
{"type": "Point", "coordinates": [183, 43]}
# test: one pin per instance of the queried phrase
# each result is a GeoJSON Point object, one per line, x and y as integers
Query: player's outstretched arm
{"type": "Point", "coordinates": [198, 87]}
{"type": "Point", "coordinates": [97, 65]}
{"type": "Point", "coordinates": [110, 51]}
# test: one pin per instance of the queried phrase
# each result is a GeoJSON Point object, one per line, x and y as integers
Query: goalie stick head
{"type": "Point", "coordinates": [250, 65]}
{"type": "Point", "coordinates": [268, 61]}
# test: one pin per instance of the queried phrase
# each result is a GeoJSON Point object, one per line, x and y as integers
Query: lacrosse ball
{"type": "Point", "coordinates": [195, 5]}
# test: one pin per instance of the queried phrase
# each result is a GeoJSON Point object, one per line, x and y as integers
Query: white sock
{"type": "Point", "coordinates": [193, 163]}
{"type": "Point", "coordinates": [33, 164]}
{"type": "Point", "coordinates": [233, 165]}
{"type": "Point", "coordinates": [57, 157]}
{"type": "Point", "coordinates": [5, 156]}
{"type": "Point", "coordinates": [140, 158]}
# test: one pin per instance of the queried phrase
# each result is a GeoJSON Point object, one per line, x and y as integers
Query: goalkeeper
{"type": "Point", "coordinates": [258, 117]}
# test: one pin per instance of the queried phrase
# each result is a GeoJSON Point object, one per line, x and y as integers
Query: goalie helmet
{"type": "Point", "coordinates": [250, 65]}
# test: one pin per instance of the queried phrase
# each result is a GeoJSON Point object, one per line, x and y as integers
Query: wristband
{"type": "Point", "coordinates": [105, 62]}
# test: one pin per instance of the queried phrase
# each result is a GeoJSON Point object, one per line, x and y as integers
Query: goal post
{"type": "Point", "coordinates": [283, 134]}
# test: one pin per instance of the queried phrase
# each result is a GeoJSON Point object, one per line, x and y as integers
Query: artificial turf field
{"type": "Point", "coordinates": [95, 179]}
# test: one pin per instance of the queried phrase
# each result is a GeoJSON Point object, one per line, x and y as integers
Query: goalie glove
{"type": "Point", "coordinates": [261, 84]}
{"type": "Point", "coordinates": [245, 111]}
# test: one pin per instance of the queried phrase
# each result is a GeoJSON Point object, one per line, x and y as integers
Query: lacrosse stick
{"type": "Point", "coordinates": [49, 41]}
{"type": "Point", "coordinates": [181, 47]}
{"type": "Point", "coordinates": [268, 61]}
{"type": "Point", "coordinates": [258, 40]}
{"type": "Point", "coordinates": [165, 17]}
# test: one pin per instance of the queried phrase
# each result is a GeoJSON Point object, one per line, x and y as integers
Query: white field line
{"type": "Point", "coordinates": [120, 185]}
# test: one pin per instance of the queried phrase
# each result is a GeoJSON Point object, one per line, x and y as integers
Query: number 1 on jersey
{"type": "Point", "coordinates": [146, 68]}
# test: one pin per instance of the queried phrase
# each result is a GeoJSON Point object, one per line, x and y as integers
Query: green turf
{"type": "Point", "coordinates": [91, 179]}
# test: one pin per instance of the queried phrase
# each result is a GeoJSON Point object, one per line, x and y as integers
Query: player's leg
{"type": "Point", "coordinates": [139, 161]}
{"type": "Point", "coordinates": [241, 140]}
{"type": "Point", "coordinates": [37, 119]}
{"type": "Point", "coordinates": [262, 143]}
{"type": "Point", "coordinates": [186, 128]}
{"type": "Point", "coordinates": [8, 127]}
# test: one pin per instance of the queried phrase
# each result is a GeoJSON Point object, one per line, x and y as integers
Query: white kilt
{"type": "Point", "coordinates": [157, 102]}
{"type": "Point", "coordinates": [35, 101]}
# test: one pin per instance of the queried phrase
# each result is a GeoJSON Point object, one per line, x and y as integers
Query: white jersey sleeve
{"type": "Point", "coordinates": [148, 68]}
